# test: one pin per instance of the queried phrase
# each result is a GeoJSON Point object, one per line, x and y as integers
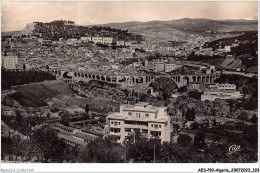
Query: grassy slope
{"type": "Point", "coordinates": [44, 90]}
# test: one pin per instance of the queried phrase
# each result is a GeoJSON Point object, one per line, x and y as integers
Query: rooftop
{"type": "Point", "coordinates": [116, 115]}
{"type": "Point", "coordinates": [142, 106]}
{"type": "Point", "coordinates": [91, 132]}
{"type": "Point", "coordinates": [85, 136]}
{"type": "Point", "coordinates": [70, 138]}
{"type": "Point", "coordinates": [65, 127]}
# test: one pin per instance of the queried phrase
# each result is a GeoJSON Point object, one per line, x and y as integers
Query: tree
{"type": "Point", "coordinates": [199, 141]}
{"type": "Point", "coordinates": [6, 146]}
{"type": "Point", "coordinates": [103, 151]}
{"type": "Point", "coordinates": [254, 119]}
{"type": "Point", "coordinates": [184, 140]}
{"type": "Point", "coordinates": [182, 89]}
{"type": "Point", "coordinates": [86, 115]}
{"type": "Point", "coordinates": [243, 116]}
{"type": "Point", "coordinates": [214, 122]}
{"type": "Point", "coordinates": [165, 86]}
{"type": "Point", "coordinates": [142, 149]}
{"type": "Point", "coordinates": [24, 66]}
{"type": "Point", "coordinates": [18, 117]}
{"type": "Point", "coordinates": [216, 153]}
{"type": "Point", "coordinates": [190, 114]}
{"type": "Point", "coordinates": [195, 125]}
{"type": "Point", "coordinates": [48, 115]}
{"type": "Point", "coordinates": [64, 119]}
{"type": "Point", "coordinates": [87, 108]}
{"type": "Point", "coordinates": [47, 67]}
{"type": "Point", "coordinates": [47, 145]}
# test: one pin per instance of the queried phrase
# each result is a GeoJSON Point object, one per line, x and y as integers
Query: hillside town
{"type": "Point", "coordinates": [99, 92]}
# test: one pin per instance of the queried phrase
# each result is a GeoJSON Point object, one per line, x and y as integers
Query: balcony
{"type": "Point", "coordinates": [135, 126]}
{"type": "Point", "coordinates": [115, 126]}
{"type": "Point", "coordinates": [156, 129]}
{"type": "Point", "coordinates": [115, 133]}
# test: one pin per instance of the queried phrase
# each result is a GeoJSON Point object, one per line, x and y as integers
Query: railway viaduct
{"type": "Point", "coordinates": [136, 79]}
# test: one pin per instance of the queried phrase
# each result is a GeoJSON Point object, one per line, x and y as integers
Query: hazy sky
{"type": "Point", "coordinates": [15, 15]}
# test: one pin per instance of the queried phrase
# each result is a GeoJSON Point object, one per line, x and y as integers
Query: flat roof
{"type": "Point", "coordinates": [142, 107]}
{"type": "Point", "coordinates": [160, 120]}
{"type": "Point", "coordinates": [70, 138]}
{"type": "Point", "coordinates": [116, 115]}
{"type": "Point", "coordinates": [84, 136]}
{"type": "Point", "coordinates": [65, 127]}
{"type": "Point", "coordinates": [91, 132]}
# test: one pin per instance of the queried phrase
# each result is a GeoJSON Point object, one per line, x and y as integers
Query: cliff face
{"type": "Point", "coordinates": [106, 93]}
{"type": "Point", "coordinates": [28, 29]}
{"type": "Point", "coordinates": [216, 108]}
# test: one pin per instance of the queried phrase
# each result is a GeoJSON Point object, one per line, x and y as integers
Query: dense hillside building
{"type": "Point", "coordinates": [148, 120]}
{"type": "Point", "coordinates": [9, 62]}
{"type": "Point", "coordinates": [172, 66]}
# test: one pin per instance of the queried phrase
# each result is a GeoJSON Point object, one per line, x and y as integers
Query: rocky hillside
{"type": "Point", "coordinates": [63, 29]}
{"type": "Point", "coordinates": [28, 29]}
{"type": "Point", "coordinates": [99, 90]}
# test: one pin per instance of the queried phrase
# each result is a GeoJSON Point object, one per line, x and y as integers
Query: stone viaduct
{"type": "Point", "coordinates": [135, 79]}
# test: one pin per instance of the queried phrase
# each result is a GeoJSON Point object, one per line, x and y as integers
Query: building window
{"type": "Point", "coordinates": [151, 125]}
{"type": "Point", "coordinates": [156, 126]}
{"type": "Point", "coordinates": [144, 131]}
{"type": "Point", "coordinates": [130, 113]}
{"type": "Point", "coordinates": [112, 122]}
{"type": "Point", "coordinates": [128, 130]}
{"type": "Point", "coordinates": [118, 123]}
{"type": "Point", "coordinates": [146, 115]}
{"type": "Point", "coordinates": [160, 126]}
{"type": "Point", "coordinates": [138, 115]}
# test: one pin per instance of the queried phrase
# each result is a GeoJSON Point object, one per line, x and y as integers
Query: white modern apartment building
{"type": "Point", "coordinates": [107, 40]}
{"type": "Point", "coordinates": [159, 67]}
{"type": "Point", "coordinates": [149, 120]}
{"type": "Point", "coordinates": [226, 87]}
{"type": "Point", "coordinates": [102, 40]}
{"type": "Point", "coordinates": [97, 39]}
{"type": "Point", "coordinates": [171, 67]}
{"type": "Point", "coordinates": [221, 91]}
{"type": "Point", "coordinates": [86, 39]}
{"type": "Point", "coordinates": [9, 62]}
{"type": "Point", "coordinates": [123, 43]}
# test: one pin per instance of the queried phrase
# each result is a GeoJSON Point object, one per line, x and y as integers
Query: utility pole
{"type": "Point", "coordinates": [153, 153]}
{"type": "Point", "coordinates": [134, 136]}
{"type": "Point", "coordinates": [125, 151]}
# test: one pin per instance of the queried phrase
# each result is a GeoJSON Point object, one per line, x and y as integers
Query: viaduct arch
{"type": "Point", "coordinates": [138, 80]}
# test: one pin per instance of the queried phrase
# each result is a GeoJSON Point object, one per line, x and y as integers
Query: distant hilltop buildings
{"type": "Point", "coordinates": [105, 40]}
{"type": "Point", "coordinates": [68, 29]}
{"type": "Point", "coordinates": [58, 21]}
